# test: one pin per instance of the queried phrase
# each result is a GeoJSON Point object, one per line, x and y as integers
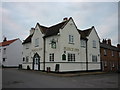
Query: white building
{"type": "Point", "coordinates": [11, 52]}
{"type": "Point", "coordinates": [62, 48]}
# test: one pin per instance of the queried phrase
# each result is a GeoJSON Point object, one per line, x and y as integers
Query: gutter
{"type": "Point", "coordinates": [44, 48]}
{"type": "Point", "coordinates": [86, 57]}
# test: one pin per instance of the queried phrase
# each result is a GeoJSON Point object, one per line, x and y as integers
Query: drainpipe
{"type": "Point", "coordinates": [43, 53]}
{"type": "Point", "coordinates": [86, 57]}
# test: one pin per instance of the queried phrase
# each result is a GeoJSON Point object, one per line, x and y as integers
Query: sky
{"type": "Point", "coordinates": [19, 17]}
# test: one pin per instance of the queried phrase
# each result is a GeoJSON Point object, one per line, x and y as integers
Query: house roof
{"type": "Point", "coordinates": [54, 30]}
{"type": "Point", "coordinates": [47, 31]}
{"type": "Point", "coordinates": [7, 42]}
{"type": "Point", "coordinates": [28, 39]}
{"type": "Point", "coordinates": [85, 33]}
{"type": "Point", "coordinates": [106, 46]}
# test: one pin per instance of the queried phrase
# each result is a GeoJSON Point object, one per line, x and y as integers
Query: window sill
{"type": "Point", "coordinates": [71, 43]}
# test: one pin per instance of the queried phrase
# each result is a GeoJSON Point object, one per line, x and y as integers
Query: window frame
{"type": "Point", "coordinates": [71, 39]}
{"type": "Point", "coordinates": [94, 58]}
{"type": "Point", "coordinates": [71, 57]}
{"type": "Point", "coordinates": [94, 44]}
{"type": "Point", "coordinates": [36, 42]}
{"type": "Point", "coordinates": [83, 43]}
{"type": "Point", "coordinates": [51, 57]}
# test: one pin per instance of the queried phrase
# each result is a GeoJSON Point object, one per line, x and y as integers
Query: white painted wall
{"type": "Point", "coordinates": [13, 54]}
{"type": "Point", "coordinates": [93, 51]}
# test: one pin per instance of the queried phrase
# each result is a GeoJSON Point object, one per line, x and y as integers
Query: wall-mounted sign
{"type": "Point", "coordinates": [36, 49]}
{"type": "Point", "coordinates": [71, 49]}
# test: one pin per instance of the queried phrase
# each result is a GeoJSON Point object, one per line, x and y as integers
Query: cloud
{"type": "Point", "coordinates": [19, 17]}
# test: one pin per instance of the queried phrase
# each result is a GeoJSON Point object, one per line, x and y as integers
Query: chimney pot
{"type": "Point", "coordinates": [109, 41]}
{"type": "Point", "coordinates": [5, 39]}
{"type": "Point", "coordinates": [65, 19]}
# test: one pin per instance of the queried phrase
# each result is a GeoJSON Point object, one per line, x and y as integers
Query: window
{"type": "Point", "coordinates": [63, 57]}
{"type": "Point", "coordinates": [23, 59]}
{"type": "Point", "coordinates": [53, 45]}
{"type": "Point", "coordinates": [105, 63]}
{"type": "Point", "coordinates": [27, 46]}
{"type": "Point", "coordinates": [4, 51]}
{"type": "Point", "coordinates": [94, 44]}
{"type": "Point", "coordinates": [83, 43]}
{"type": "Point", "coordinates": [37, 42]}
{"type": "Point", "coordinates": [27, 59]}
{"type": "Point", "coordinates": [105, 52]}
{"type": "Point", "coordinates": [51, 56]}
{"type": "Point", "coordinates": [94, 58]}
{"type": "Point", "coordinates": [112, 53]}
{"type": "Point", "coordinates": [113, 65]}
{"type": "Point", "coordinates": [0, 50]}
{"type": "Point", "coordinates": [71, 39]}
{"type": "Point", "coordinates": [71, 57]}
{"type": "Point", "coordinates": [3, 59]}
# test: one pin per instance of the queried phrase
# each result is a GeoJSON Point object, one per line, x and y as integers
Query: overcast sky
{"type": "Point", "coordinates": [19, 17]}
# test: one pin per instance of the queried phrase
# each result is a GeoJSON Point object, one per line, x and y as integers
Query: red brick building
{"type": "Point", "coordinates": [110, 56]}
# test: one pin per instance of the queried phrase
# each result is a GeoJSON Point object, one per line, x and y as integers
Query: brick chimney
{"type": "Point", "coordinates": [32, 31]}
{"type": "Point", "coordinates": [5, 39]}
{"type": "Point", "coordinates": [104, 41]}
{"type": "Point", "coordinates": [109, 41]}
{"type": "Point", "coordinates": [118, 46]}
{"type": "Point", "coordinates": [65, 19]}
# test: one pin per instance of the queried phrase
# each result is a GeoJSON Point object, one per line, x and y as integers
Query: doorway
{"type": "Point", "coordinates": [36, 62]}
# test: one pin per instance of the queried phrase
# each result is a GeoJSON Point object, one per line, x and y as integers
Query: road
{"type": "Point", "coordinates": [14, 78]}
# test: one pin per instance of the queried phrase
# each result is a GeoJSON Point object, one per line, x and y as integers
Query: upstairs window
{"type": "Point", "coordinates": [83, 43]}
{"type": "Point", "coordinates": [37, 42]}
{"type": "Point", "coordinates": [51, 56]}
{"type": "Point", "coordinates": [71, 57]}
{"type": "Point", "coordinates": [94, 44]}
{"type": "Point", "coordinates": [112, 53]}
{"type": "Point", "coordinates": [94, 58]}
{"type": "Point", "coordinates": [27, 59]}
{"type": "Point", "coordinates": [4, 51]}
{"type": "Point", "coordinates": [71, 39]}
{"type": "Point", "coordinates": [105, 52]}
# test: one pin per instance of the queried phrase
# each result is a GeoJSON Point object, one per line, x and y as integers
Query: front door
{"type": "Point", "coordinates": [36, 62]}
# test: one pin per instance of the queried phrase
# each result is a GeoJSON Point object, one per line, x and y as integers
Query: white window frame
{"type": "Point", "coordinates": [36, 42]}
{"type": "Point", "coordinates": [94, 58]}
{"type": "Point", "coordinates": [94, 44]}
{"type": "Point", "coordinates": [51, 57]}
{"type": "Point", "coordinates": [4, 50]}
{"type": "Point", "coordinates": [83, 43]}
{"type": "Point", "coordinates": [105, 52]}
{"type": "Point", "coordinates": [27, 58]}
{"type": "Point", "coordinates": [112, 53]}
{"type": "Point", "coordinates": [71, 57]}
{"type": "Point", "coordinates": [71, 39]}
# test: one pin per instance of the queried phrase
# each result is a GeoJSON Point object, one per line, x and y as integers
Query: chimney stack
{"type": "Point", "coordinates": [118, 46]}
{"type": "Point", "coordinates": [104, 41]}
{"type": "Point", "coordinates": [32, 31]}
{"type": "Point", "coordinates": [109, 41]}
{"type": "Point", "coordinates": [65, 19]}
{"type": "Point", "coordinates": [5, 39]}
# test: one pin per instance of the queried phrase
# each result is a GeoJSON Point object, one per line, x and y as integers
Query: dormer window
{"type": "Point", "coordinates": [71, 39]}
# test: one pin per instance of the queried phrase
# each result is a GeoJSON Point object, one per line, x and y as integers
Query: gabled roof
{"type": "Point", "coordinates": [28, 39]}
{"type": "Point", "coordinates": [6, 43]}
{"type": "Point", "coordinates": [54, 30]}
{"type": "Point", "coordinates": [85, 33]}
{"type": "Point", "coordinates": [110, 47]}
